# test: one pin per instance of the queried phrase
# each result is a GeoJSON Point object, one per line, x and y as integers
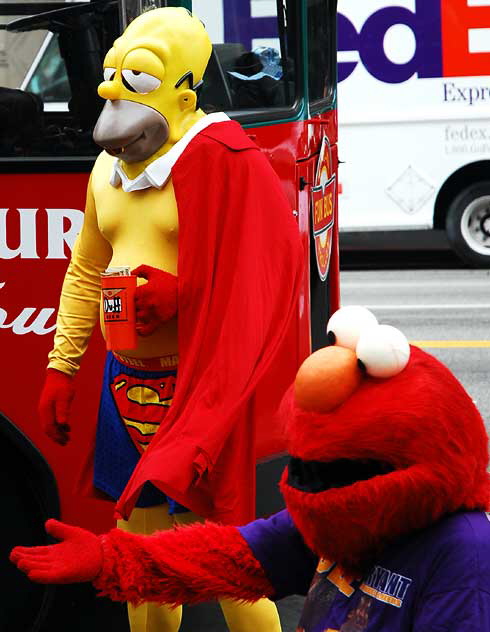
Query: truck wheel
{"type": "Point", "coordinates": [468, 224]}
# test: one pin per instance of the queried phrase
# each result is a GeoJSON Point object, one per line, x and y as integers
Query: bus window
{"type": "Point", "coordinates": [48, 93]}
{"type": "Point", "coordinates": [252, 66]}
{"type": "Point", "coordinates": [47, 76]}
{"type": "Point", "coordinates": [321, 65]}
{"type": "Point", "coordinates": [52, 65]}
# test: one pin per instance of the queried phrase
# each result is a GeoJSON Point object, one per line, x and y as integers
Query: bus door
{"type": "Point", "coordinates": [319, 172]}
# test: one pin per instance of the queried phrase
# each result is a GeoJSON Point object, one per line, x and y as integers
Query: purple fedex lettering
{"type": "Point", "coordinates": [425, 24]}
{"type": "Point", "coordinates": [242, 27]}
{"type": "Point", "coordinates": [348, 39]}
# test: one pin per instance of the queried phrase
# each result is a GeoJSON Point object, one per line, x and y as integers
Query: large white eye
{"type": "Point", "coordinates": [140, 82]}
{"type": "Point", "coordinates": [109, 74]}
{"type": "Point", "coordinates": [346, 324]}
{"type": "Point", "coordinates": [383, 350]}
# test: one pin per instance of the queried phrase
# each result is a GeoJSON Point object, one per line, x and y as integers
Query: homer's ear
{"type": "Point", "coordinates": [187, 100]}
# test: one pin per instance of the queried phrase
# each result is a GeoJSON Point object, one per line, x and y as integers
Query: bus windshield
{"type": "Point", "coordinates": [52, 64]}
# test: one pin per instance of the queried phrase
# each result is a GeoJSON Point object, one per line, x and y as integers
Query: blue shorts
{"type": "Point", "coordinates": [133, 403]}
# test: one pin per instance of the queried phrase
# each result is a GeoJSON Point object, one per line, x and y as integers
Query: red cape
{"type": "Point", "coordinates": [239, 272]}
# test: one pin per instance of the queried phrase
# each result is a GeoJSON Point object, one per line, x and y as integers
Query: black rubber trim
{"type": "Point", "coordinates": [45, 488]}
{"type": "Point", "coordinates": [56, 165]}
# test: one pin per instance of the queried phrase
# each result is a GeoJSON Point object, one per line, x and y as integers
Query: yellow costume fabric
{"type": "Point", "coordinates": [119, 229]}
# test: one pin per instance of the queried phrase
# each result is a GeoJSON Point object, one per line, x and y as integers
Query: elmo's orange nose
{"type": "Point", "coordinates": [326, 379]}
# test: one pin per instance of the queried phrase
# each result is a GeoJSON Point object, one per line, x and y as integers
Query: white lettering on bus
{"type": "Point", "coordinates": [19, 324]}
{"type": "Point", "coordinates": [27, 247]}
{"type": "Point", "coordinates": [57, 236]}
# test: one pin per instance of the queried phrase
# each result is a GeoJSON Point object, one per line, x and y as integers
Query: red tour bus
{"type": "Point", "coordinates": [51, 64]}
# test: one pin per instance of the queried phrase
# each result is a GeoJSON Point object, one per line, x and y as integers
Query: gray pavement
{"type": "Point", "coordinates": [447, 310]}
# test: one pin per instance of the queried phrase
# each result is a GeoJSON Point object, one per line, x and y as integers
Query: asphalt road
{"type": "Point", "coordinates": [447, 312]}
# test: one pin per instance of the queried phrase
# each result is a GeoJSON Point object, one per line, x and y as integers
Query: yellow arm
{"type": "Point", "coordinates": [80, 296]}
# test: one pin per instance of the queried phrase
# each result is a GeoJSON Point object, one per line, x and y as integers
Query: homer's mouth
{"type": "Point", "coordinates": [130, 131]}
{"type": "Point", "coordinates": [318, 476]}
{"type": "Point", "coordinates": [120, 151]}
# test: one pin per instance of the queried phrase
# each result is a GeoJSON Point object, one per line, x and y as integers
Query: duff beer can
{"type": "Point", "coordinates": [118, 289]}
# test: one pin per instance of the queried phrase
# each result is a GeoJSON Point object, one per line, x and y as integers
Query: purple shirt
{"type": "Point", "coordinates": [437, 580]}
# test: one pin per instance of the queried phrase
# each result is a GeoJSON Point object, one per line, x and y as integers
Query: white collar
{"type": "Point", "coordinates": [158, 172]}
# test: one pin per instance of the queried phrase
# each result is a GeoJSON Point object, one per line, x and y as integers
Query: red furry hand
{"type": "Point", "coordinates": [54, 405]}
{"type": "Point", "coordinates": [156, 301]}
{"type": "Point", "coordinates": [77, 558]}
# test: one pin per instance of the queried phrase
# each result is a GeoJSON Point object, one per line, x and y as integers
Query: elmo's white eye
{"type": "Point", "coordinates": [140, 82]}
{"type": "Point", "coordinates": [109, 74]}
{"type": "Point", "coordinates": [383, 350]}
{"type": "Point", "coordinates": [346, 324]}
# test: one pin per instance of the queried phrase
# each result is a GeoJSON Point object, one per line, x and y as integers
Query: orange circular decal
{"type": "Point", "coordinates": [323, 197]}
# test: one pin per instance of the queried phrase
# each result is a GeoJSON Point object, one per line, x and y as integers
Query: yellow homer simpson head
{"type": "Point", "coordinates": [150, 75]}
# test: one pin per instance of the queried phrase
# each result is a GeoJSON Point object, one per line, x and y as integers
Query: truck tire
{"type": "Point", "coordinates": [468, 224]}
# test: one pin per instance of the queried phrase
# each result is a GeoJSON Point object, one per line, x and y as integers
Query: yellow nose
{"type": "Point", "coordinates": [327, 379]}
{"type": "Point", "coordinates": [109, 90]}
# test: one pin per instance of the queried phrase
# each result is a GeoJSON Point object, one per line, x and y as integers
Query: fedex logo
{"type": "Point", "coordinates": [442, 32]}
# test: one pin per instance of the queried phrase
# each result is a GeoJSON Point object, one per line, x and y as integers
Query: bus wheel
{"type": "Point", "coordinates": [468, 224]}
{"type": "Point", "coordinates": [29, 497]}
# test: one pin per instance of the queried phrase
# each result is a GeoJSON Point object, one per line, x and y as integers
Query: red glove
{"type": "Point", "coordinates": [77, 558]}
{"type": "Point", "coordinates": [156, 301]}
{"type": "Point", "coordinates": [54, 405]}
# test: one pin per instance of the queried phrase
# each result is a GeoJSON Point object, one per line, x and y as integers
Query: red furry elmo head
{"type": "Point", "coordinates": [392, 456]}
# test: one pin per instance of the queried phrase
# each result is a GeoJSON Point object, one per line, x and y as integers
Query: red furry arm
{"type": "Point", "coordinates": [187, 565]}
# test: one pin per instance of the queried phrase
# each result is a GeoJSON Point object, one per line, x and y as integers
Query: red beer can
{"type": "Point", "coordinates": [119, 310]}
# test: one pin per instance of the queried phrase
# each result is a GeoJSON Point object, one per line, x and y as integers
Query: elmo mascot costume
{"type": "Point", "coordinates": [386, 490]}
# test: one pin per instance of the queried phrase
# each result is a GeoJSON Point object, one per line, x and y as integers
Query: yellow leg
{"type": "Point", "coordinates": [187, 517]}
{"type": "Point", "coordinates": [261, 616]}
{"type": "Point", "coordinates": [149, 617]}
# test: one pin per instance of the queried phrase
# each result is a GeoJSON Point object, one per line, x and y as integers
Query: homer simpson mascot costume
{"type": "Point", "coordinates": [194, 208]}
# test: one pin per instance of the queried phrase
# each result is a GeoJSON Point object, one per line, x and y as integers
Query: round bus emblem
{"type": "Point", "coordinates": [323, 194]}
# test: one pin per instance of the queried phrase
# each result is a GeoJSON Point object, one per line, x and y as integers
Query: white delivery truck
{"type": "Point", "coordinates": [414, 114]}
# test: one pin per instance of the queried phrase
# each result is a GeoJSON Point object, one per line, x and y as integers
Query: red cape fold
{"type": "Point", "coordinates": [240, 267]}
